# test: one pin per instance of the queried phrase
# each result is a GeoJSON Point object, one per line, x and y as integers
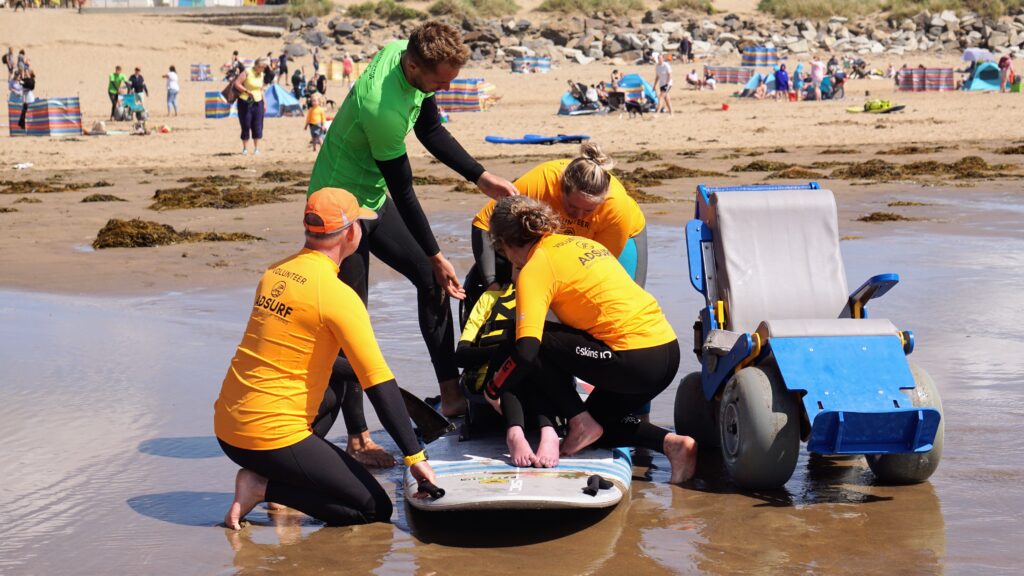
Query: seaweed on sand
{"type": "Point", "coordinates": [879, 170]}
{"type": "Point", "coordinates": [761, 166]}
{"type": "Point", "coordinates": [138, 233]}
{"type": "Point", "coordinates": [211, 180]}
{"type": "Point", "coordinates": [284, 175]}
{"type": "Point", "coordinates": [206, 196]}
{"type": "Point", "coordinates": [49, 186]}
{"type": "Point", "coordinates": [7, 209]}
{"type": "Point", "coordinates": [643, 156]}
{"type": "Point", "coordinates": [884, 217]}
{"type": "Point", "coordinates": [434, 181]}
{"type": "Point", "coordinates": [906, 203]}
{"type": "Point", "coordinates": [28, 200]}
{"type": "Point", "coordinates": [911, 149]}
{"type": "Point", "coordinates": [794, 173]}
{"type": "Point", "coordinates": [103, 198]}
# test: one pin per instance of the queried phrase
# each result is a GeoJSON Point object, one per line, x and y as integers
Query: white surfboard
{"type": "Point", "coordinates": [477, 475]}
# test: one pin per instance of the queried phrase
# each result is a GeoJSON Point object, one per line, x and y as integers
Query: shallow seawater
{"type": "Point", "coordinates": [109, 463]}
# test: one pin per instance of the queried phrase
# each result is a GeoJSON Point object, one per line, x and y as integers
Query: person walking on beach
{"type": "Point", "coordinates": [137, 84]}
{"type": "Point", "coordinates": [282, 68]}
{"type": "Point", "coordinates": [315, 120]}
{"type": "Point", "coordinates": [172, 90]}
{"type": "Point", "coordinates": [817, 75]}
{"type": "Point", "coordinates": [316, 61]}
{"type": "Point", "coordinates": [347, 65]}
{"type": "Point", "coordinates": [364, 152]}
{"type": "Point", "coordinates": [114, 83]}
{"type": "Point", "coordinates": [663, 80]}
{"type": "Point", "coordinates": [9, 62]}
{"type": "Point", "coordinates": [279, 399]}
{"type": "Point", "coordinates": [28, 86]}
{"type": "Point", "coordinates": [22, 61]}
{"type": "Point", "coordinates": [235, 68]}
{"type": "Point", "coordinates": [251, 105]}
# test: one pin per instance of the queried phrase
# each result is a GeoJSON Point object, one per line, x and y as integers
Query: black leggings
{"type": "Point", "coordinates": [623, 382]}
{"type": "Point", "coordinates": [316, 477]}
{"type": "Point", "coordinates": [389, 239]}
{"type": "Point", "coordinates": [113, 104]}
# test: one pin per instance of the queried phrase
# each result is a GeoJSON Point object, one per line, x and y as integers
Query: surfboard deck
{"type": "Point", "coordinates": [860, 110]}
{"type": "Point", "coordinates": [539, 139]}
{"type": "Point", "coordinates": [476, 475]}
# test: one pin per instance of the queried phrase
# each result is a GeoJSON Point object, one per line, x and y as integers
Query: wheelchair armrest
{"type": "Point", "coordinates": [875, 286]}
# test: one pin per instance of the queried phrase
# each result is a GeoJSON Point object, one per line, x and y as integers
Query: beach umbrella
{"type": "Point", "coordinates": [977, 55]}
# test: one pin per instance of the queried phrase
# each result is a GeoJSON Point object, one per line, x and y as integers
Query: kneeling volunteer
{"type": "Point", "coordinates": [613, 335]}
{"type": "Point", "coordinates": [275, 405]}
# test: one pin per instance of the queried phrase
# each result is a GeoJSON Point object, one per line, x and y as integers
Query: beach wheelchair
{"type": "Point", "coordinates": [788, 354]}
{"type": "Point", "coordinates": [134, 111]}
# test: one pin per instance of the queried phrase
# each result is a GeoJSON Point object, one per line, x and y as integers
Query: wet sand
{"type": "Point", "coordinates": [110, 463]}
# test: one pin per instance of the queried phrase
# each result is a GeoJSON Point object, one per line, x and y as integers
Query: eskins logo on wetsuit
{"type": "Point", "coordinates": [272, 304]}
{"type": "Point", "coordinates": [278, 288]}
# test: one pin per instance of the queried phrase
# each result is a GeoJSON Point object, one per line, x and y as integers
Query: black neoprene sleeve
{"type": "Point", "coordinates": [398, 177]}
{"type": "Point", "coordinates": [467, 355]}
{"type": "Point", "coordinates": [387, 402]}
{"type": "Point", "coordinates": [439, 142]}
{"type": "Point", "coordinates": [484, 254]}
{"type": "Point", "coordinates": [517, 367]}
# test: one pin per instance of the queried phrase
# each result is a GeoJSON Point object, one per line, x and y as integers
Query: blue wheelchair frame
{"type": "Point", "coordinates": [849, 385]}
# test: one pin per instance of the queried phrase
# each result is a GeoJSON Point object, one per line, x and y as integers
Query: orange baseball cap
{"type": "Point", "coordinates": [331, 210]}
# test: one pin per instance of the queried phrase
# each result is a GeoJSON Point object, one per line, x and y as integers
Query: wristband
{"type": "Point", "coordinates": [415, 458]}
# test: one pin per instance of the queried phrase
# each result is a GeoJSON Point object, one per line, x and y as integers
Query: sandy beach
{"type": "Point", "coordinates": [137, 339]}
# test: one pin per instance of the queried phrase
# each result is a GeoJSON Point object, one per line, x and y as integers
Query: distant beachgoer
{"type": "Point", "coordinates": [172, 90]}
{"type": "Point", "coordinates": [282, 68]}
{"type": "Point", "coordinates": [762, 89]}
{"type": "Point", "coordinates": [9, 62]}
{"type": "Point", "coordinates": [781, 83]}
{"type": "Point", "coordinates": [235, 68]}
{"type": "Point", "coordinates": [298, 83]}
{"type": "Point", "coordinates": [833, 65]}
{"type": "Point", "coordinates": [693, 79]}
{"type": "Point", "coordinates": [686, 49]}
{"type": "Point", "coordinates": [817, 75]}
{"type": "Point", "coordinates": [28, 85]}
{"type": "Point", "coordinates": [22, 61]}
{"type": "Point", "coordinates": [114, 83]}
{"type": "Point", "coordinates": [616, 79]}
{"type": "Point", "coordinates": [709, 80]}
{"type": "Point", "coordinates": [321, 84]}
{"type": "Point", "coordinates": [315, 120]}
{"type": "Point", "coordinates": [137, 84]}
{"type": "Point", "coordinates": [19, 4]}
{"type": "Point", "coordinates": [1005, 73]}
{"type": "Point", "coordinates": [269, 72]}
{"type": "Point", "coordinates": [347, 67]}
{"type": "Point", "coordinates": [663, 80]}
{"type": "Point", "coordinates": [251, 105]}
{"type": "Point", "coordinates": [286, 382]}
{"type": "Point", "coordinates": [316, 60]}
{"type": "Point", "coordinates": [14, 83]}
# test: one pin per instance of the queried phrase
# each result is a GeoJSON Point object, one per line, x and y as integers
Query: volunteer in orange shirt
{"type": "Point", "coordinates": [590, 203]}
{"type": "Point", "coordinates": [275, 405]}
{"type": "Point", "coordinates": [612, 334]}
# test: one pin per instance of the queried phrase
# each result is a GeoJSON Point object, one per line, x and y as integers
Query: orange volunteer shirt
{"type": "Point", "coordinates": [618, 219]}
{"type": "Point", "coordinates": [301, 317]}
{"type": "Point", "coordinates": [589, 290]}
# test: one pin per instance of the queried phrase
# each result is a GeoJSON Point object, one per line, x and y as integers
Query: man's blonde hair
{"type": "Point", "coordinates": [434, 42]}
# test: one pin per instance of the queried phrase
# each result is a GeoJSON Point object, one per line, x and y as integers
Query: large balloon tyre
{"type": "Point", "coordinates": [917, 467]}
{"type": "Point", "coordinates": [759, 427]}
{"type": "Point", "coordinates": [694, 415]}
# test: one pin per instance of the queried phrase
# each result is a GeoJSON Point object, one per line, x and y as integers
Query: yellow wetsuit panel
{"type": "Point", "coordinates": [587, 289]}
{"type": "Point", "coordinates": [301, 316]}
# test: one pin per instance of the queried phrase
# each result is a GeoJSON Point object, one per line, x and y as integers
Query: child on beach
{"type": "Point", "coordinates": [490, 325]}
{"type": "Point", "coordinates": [315, 120]}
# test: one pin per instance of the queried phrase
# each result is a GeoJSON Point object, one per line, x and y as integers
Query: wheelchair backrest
{"type": "Point", "coordinates": [777, 255]}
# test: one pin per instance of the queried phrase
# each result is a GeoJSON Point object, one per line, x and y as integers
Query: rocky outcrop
{"type": "Point", "coordinates": [613, 38]}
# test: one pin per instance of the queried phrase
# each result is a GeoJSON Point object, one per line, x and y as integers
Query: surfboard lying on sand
{"type": "Point", "coordinates": [538, 139]}
{"type": "Point", "coordinates": [860, 109]}
{"type": "Point", "coordinates": [476, 475]}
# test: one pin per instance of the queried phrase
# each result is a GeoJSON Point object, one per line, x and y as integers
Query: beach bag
{"type": "Point", "coordinates": [230, 92]}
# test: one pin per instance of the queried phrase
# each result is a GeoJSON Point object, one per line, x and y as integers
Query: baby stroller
{"type": "Point", "coordinates": [134, 108]}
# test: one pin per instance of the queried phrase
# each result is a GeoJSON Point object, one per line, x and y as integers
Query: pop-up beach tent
{"type": "Point", "coordinates": [925, 79]}
{"type": "Point", "coordinates": [281, 102]}
{"type": "Point", "coordinates": [760, 56]}
{"type": "Point", "coordinates": [45, 117]}
{"type": "Point", "coordinates": [466, 95]}
{"type": "Point", "coordinates": [985, 77]}
{"type": "Point", "coordinates": [751, 86]}
{"type": "Point", "coordinates": [637, 89]}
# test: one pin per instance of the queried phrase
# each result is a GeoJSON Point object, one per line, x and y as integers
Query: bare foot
{"type": "Point", "coordinates": [681, 452]}
{"type": "Point", "coordinates": [453, 403]}
{"type": "Point", "coordinates": [519, 448]}
{"type": "Point", "coordinates": [250, 490]}
{"type": "Point", "coordinates": [369, 453]}
{"type": "Point", "coordinates": [547, 450]}
{"type": "Point", "coordinates": [583, 431]}
{"type": "Point", "coordinates": [275, 507]}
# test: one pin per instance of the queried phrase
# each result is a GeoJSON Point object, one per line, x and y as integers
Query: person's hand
{"type": "Point", "coordinates": [496, 187]}
{"type": "Point", "coordinates": [422, 471]}
{"type": "Point", "coordinates": [444, 273]}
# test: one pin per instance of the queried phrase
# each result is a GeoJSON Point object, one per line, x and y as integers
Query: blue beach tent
{"type": "Point", "coordinates": [985, 77]}
{"type": "Point", "coordinates": [281, 102]}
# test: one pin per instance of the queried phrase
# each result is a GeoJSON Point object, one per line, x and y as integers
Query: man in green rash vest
{"type": "Point", "coordinates": [364, 152]}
